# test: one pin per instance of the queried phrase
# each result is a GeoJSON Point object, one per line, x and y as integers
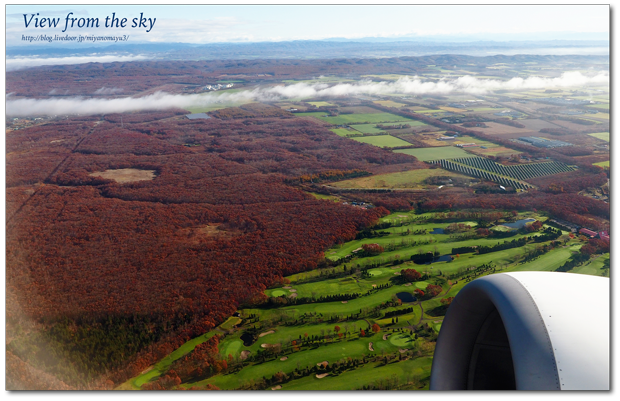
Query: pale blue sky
{"type": "Point", "coordinates": [208, 24]}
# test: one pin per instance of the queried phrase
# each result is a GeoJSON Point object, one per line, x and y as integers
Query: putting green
{"type": "Point", "coordinates": [400, 340]}
{"type": "Point", "coordinates": [277, 293]}
{"type": "Point", "coordinates": [233, 348]}
{"type": "Point", "coordinates": [421, 284]}
{"type": "Point", "coordinates": [375, 272]}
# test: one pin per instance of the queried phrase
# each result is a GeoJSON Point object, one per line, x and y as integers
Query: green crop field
{"type": "Point", "coordinates": [389, 103]}
{"type": "Point", "coordinates": [367, 128]}
{"type": "Point", "coordinates": [322, 339]}
{"type": "Point", "coordinates": [404, 179]}
{"type": "Point", "coordinates": [604, 106]}
{"type": "Point", "coordinates": [601, 135]}
{"type": "Point", "coordinates": [602, 164]}
{"type": "Point", "coordinates": [382, 141]}
{"type": "Point", "coordinates": [443, 152]}
{"type": "Point", "coordinates": [370, 118]}
{"type": "Point", "coordinates": [344, 132]}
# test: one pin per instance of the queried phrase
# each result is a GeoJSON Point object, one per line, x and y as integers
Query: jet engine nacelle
{"type": "Point", "coordinates": [526, 331]}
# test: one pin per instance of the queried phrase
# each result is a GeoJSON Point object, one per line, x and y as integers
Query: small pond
{"type": "Point", "coordinates": [437, 231]}
{"type": "Point", "coordinates": [518, 223]}
{"type": "Point", "coordinates": [406, 297]}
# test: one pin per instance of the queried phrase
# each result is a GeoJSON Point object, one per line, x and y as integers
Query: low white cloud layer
{"type": "Point", "coordinates": [406, 85]}
{"type": "Point", "coordinates": [13, 64]}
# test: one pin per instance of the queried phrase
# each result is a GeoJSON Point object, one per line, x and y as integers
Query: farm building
{"type": "Point", "coordinates": [587, 232]}
{"type": "Point", "coordinates": [604, 235]}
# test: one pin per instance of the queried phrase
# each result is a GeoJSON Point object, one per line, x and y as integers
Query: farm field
{"type": "Point", "coordinates": [601, 135]}
{"type": "Point", "coordinates": [319, 104]}
{"type": "Point", "coordinates": [406, 179]}
{"type": "Point", "coordinates": [445, 152]}
{"type": "Point", "coordinates": [344, 132]}
{"type": "Point", "coordinates": [604, 106]}
{"type": "Point", "coordinates": [345, 327]}
{"type": "Point", "coordinates": [389, 103]}
{"type": "Point", "coordinates": [367, 128]}
{"type": "Point", "coordinates": [382, 141]}
{"type": "Point", "coordinates": [356, 118]}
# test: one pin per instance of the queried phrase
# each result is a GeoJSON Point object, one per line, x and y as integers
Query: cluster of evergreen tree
{"type": "Point", "coordinates": [575, 260]}
{"type": "Point", "coordinates": [515, 243]}
{"type": "Point", "coordinates": [464, 249]}
{"type": "Point", "coordinates": [424, 257]}
{"type": "Point", "coordinates": [548, 234]}
{"type": "Point", "coordinates": [398, 312]}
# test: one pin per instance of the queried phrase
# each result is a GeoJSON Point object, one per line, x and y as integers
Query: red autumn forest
{"type": "Point", "coordinates": [161, 261]}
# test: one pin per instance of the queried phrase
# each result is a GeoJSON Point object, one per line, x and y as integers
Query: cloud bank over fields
{"type": "Point", "coordinates": [406, 85]}
{"type": "Point", "coordinates": [13, 64]}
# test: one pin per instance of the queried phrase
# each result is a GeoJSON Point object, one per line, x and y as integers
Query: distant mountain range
{"type": "Point", "coordinates": [331, 48]}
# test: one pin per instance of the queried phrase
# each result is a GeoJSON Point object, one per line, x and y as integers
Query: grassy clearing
{"type": "Point", "coordinates": [326, 197]}
{"type": "Point", "coordinates": [125, 175]}
{"type": "Point", "coordinates": [601, 135]}
{"type": "Point", "coordinates": [382, 141]}
{"type": "Point", "coordinates": [404, 179]}
{"type": "Point", "coordinates": [602, 164]}
{"type": "Point", "coordinates": [444, 152]}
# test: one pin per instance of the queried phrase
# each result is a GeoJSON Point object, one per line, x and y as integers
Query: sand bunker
{"type": "Point", "coordinates": [288, 287]}
{"type": "Point", "coordinates": [278, 387]}
{"type": "Point", "coordinates": [125, 175]}
{"type": "Point", "coordinates": [269, 345]}
{"type": "Point", "coordinates": [385, 336]}
{"type": "Point", "coordinates": [322, 363]}
{"type": "Point", "coordinates": [293, 296]}
{"type": "Point", "coordinates": [244, 355]}
{"type": "Point", "coordinates": [284, 358]}
{"type": "Point", "coordinates": [402, 351]}
{"type": "Point", "coordinates": [374, 286]}
{"type": "Point", "coordinates": [370, 347]}
{"type": "Point", "coordinates": [397, 274]}
{"type": "Point", "coordinates": [293, 290]}
{"type": "Point", "coordinates": [407, 285]}
{"type": "Point", "coordinates": [265, 333]}
{"type": "Point", "coordinates": [344, 302]}
{"type": "Point", "coordinates": [322, 375]}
